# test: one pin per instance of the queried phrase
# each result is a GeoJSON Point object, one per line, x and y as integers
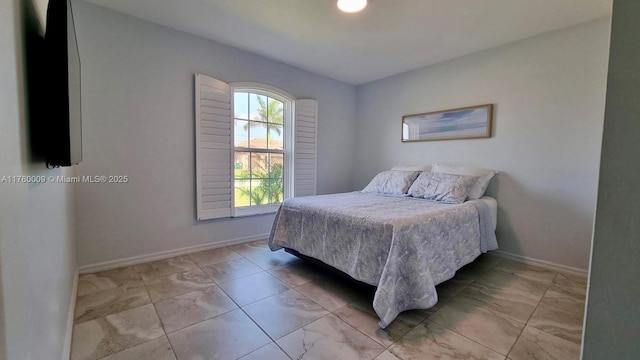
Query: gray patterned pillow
{"type": "Point", "coordinates": [446, 188]}
{"type": "Point", "coordinates": [393, 182]}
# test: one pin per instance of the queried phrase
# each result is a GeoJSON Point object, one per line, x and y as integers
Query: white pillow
{"type": "Point", "coordinates": [476, 190]}
{"type": "Point", "coordinates": [446, 188]}
{"type": "Point", "coordinates": [391, 182]}
{"type": "Point", "coordinates": [425, 168]}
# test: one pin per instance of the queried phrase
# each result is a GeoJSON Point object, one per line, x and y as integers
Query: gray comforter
{"type": "Point", "coordinates": [402, 245]}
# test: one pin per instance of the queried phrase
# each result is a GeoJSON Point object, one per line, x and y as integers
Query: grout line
{"type": "Point", "coordinates": [483, 273]}
{"type": "Point", "coordinates": [474, 341]}
{"type": "Point", "coordinates": [358, 329]}
{"type": "Point", "coordinates": [555, 308]}
{"type": "Point", "coordinates": [464, 336]}
{"type": "Point", "coordinates": [334, 313]}
{"type": "Point", "coordinates": [444, 303]}
{"type": "Point", "coordinates": [281, 349]}
{"type": "Point", "coordinates": [533, 312]}
{"type": "Point", "coordinates": [274, 341]}
{"type": "Point", "coordinates": [153, 304]}
{"type": "Point", "coordinates": [246, 257]}
{"type": "Point", "coordinates": [419, 323]}
{"type": "Point", "coordinates": [214, 284]}
{"type": "Point", "coordinates": [188, 256]}
{"type": "Point", "coordinates": [269, 336]}
{"type": "Point", "coordinates": [201, 321]}
{"type": "Point", "coordinates": [166, 335]}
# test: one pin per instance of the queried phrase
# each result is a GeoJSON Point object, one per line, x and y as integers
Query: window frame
{"type": "Point", "coordinates": [288, 144]}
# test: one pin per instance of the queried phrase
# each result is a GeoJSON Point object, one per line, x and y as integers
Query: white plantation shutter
{"type": "Point", "coordinates": [305, 142]}
{"type": "Point", "coordinates": [214, 184]}
{"type": "Point", "coordinates": [215, 148]}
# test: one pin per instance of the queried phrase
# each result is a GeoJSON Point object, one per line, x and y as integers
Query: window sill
{"type": "Point", "coordinates": [256, 210]}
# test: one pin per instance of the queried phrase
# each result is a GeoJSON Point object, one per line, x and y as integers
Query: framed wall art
{"type": "Point", "coordinates": [472, 122]}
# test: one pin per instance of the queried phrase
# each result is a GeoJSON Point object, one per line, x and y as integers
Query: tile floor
{"type": "Point", "coordinates": [246, 302]}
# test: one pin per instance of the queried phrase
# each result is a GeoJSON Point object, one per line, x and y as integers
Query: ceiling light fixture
{"type": "Point", "coordinates": [352, 6]}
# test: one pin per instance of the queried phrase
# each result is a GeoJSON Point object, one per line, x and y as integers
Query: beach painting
{"type": "Point", "coordinates": [471, 122]}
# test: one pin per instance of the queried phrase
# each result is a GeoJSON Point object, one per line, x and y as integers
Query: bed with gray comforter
{"type": "Point", "coordinates": [404, 246]}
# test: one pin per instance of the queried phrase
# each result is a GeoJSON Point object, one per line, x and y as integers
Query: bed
{"type": "Point", "coordinates": [404, 246]}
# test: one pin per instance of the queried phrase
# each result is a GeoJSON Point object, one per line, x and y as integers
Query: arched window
{"type": "Point", "coordinates": [262, 121]}
{"type": "Point", "coordinates": [255, 147]}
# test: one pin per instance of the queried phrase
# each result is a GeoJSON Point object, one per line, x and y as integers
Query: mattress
{"type": "Point", "coordinates": [493, 206]}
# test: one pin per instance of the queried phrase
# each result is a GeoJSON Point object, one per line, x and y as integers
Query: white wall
{"type": "Point", "coordinates": [37, 245]}
{"type": "Point", "coordinates": [137, 83]}
{"type": "Point", "coordinates": [549, 94]}
{"type": "Point", "coordinates": [612, 321]}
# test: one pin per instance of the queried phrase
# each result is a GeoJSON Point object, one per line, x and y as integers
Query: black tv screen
{"type": "Point", "coordinates": [64, 114]}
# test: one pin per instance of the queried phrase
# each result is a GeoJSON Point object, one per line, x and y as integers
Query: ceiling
{"type": "Point", "coordinates": [388, 37]}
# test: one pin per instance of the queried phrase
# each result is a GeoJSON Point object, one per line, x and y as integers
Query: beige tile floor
{"type": "Point", "coordinates": [246, 302]}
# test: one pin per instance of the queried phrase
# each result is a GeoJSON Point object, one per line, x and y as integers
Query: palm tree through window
{"type": "Point", "coordinates": [259, 156]}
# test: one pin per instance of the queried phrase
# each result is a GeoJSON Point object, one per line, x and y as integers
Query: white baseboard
{"type": "Point", "coordinates": [68, 336]}
{"type": "Point", "coordinates": [108, 265]}
{"type": "Point", "coordinates": [542, 263]}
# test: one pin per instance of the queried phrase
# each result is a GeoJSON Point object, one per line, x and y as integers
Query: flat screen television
{"type": "Point", "coordinates": [62, 112]}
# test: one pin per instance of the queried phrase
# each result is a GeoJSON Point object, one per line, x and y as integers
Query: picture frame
{"type": "Point", "coordinates": [471, 122]}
